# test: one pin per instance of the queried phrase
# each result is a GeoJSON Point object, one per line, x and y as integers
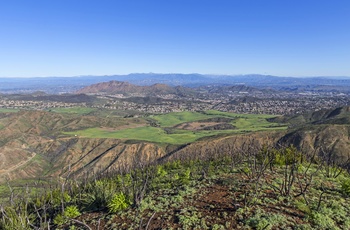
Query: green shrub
{"type": "Point", "coordinates": [267, 221]}
{"type": "Point", "coordinates": [246, 170]}
{"type": "Point", "coordinates": [258, 223]}
{"type": "Point", "coordinates": [59, 219]}
{"type": "Point", "coordinates": [218, 227]}
{"type": "Point", "coordinates": [345, 187]}
{"type": "Point", "coordinates": [339, 213]}
{"type": "Point", "coordinates": [56, 197]}
{"type": "Point", "coordinates": [302, 206]}
{"type": "Point", "coordinates": [15, 219]}
{"type": "Point", "coordinates": [189, 218]}
{"type": "Point", "coordinates": [185, 177]}
{"type": "Point", "coordinates": [322, 221]}
{"type": "Point", "coordinates": [346, 224]}
{"type": "Point", "coordinates": [70, 212]}
{"type": "Point", "coordinates": [173, 165]}
{"type": "Point", "coordinates": [118, 202]}
{"type": "Point", "coordinates": [287, 156]}
{"type": "Point", "coordinates": [160, 171]}
{"type": "Point", "coordinates": [97, 194]}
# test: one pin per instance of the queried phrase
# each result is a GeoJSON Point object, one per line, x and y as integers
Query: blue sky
{"type": "Point", "coordinates": [82, 37]}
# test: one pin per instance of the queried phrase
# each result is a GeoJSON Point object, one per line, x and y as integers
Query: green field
{"type": "Point", "coordinates": [151, 134]}
{"type": "Point", "coordinates": [3, 110]}
{"type": "Point", "coordinates": [243, 123]}
{"type": "Point", "coordinates": [171, 119]}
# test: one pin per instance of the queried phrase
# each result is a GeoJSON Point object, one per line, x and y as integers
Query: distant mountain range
{"type": "Point", "coordinates": [57, 85]}
{"type": "Point", "coordinates": [128, 89]}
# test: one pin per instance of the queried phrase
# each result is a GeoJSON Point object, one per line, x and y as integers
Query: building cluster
{"type": "Point", "coordinates": [38, 105]}
{"type": "Point", "coordinates": [276, 106]}
{"type": "Point", "coordinates": [281, 105]}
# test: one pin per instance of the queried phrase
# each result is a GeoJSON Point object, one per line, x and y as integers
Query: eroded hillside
{"type": "Point", "coordinates": [44, 144]}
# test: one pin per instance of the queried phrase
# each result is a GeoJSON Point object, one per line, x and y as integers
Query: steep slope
{"type": "Point", "coordinates": [29, 141]}
{"type": "Point", "coordinates": [221, 145]}
{"type": "Point", "coordinates": [322, 139]}
{"type": "Point", "coordinates": [46, 124]}
{"type": "Point", "coordinates": [80, 156]}
{"type": "Point", "coordinates": [339, 116]}
{"type": "Point", "coordinates": [323, 132]}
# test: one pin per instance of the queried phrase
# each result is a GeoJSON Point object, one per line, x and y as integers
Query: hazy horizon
{"type": "Point", "coordinates": [218, 75]}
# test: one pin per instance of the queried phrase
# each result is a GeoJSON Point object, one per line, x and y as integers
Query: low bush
{"type": "Point", "coordinates": [345, 187]}
{"type": "Point", "coordinates": [118, 203]}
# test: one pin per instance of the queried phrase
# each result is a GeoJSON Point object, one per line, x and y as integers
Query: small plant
{"type": "Point", "coordinates": [218, 227]}
{"type": "Point", "coordinates": [322, 221]}
{"type": "Point", "coordinates": [189, 218]}
{"type": "Point", "coordinates": [302, 206]}
{"type": "Point", "coordinates": [12, 219]}
{"type": "Point", "coordinates": [118, 202]}
{"type": "Point", "coordinates": [70, 212]}
{"type": "Point", "coordinates": [345, 187]}
{"type": "Point", "coordinates": [59, 219]}
{"type": "Point", "coordinates": [185, 177]}
{"type": "Point", "coordinates": [56, 197]}
{"type": "Point", "coordinates": [160, 171]}
{"type": "Point", "coordinates": [266, 221]}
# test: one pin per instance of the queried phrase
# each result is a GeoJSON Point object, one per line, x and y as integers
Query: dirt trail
{"type": "Point", "coordinates": [14, 167]}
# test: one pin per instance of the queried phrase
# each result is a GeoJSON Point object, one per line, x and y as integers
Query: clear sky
{"type": "Point", "coordinates": [105, 37]}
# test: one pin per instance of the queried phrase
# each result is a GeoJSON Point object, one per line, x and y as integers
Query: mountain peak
{"type": "Point", "coordinates": [120, 87]}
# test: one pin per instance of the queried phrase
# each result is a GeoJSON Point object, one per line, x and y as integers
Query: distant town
{"type": "Point", "coordinates": [255, 103]}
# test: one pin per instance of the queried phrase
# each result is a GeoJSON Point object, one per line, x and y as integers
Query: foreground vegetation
{"type": "Point", "coordinates": [252, 188]}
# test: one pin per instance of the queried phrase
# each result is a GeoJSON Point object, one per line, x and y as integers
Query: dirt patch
{"type": "Point", "coordinates": [218, 120]}
{"type": "Point", "coordinates": [193, 126]}
{"type": "Point", "coordinates": [215, 123]}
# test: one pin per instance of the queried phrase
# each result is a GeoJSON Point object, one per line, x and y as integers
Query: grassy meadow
{"type": "Point", "coordinates": [166, 133]}
{"type": "Point", "coordinates": [4, 110]}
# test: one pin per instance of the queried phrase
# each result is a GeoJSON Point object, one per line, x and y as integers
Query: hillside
{"type": "Point", "coordinates": [324, 132]}
{"type": "Point", "coordinates": [339, 116]}
{"type": "Point", "coordinates": [46, 144]}
{"type": "Point", "coordinates": [239, 88]}
{"type": "Point", "coordinates": [38, 143]}
{"type": "Point", "coordinates": [32, 144]}
{"type": "Point", "coordinates": [246, 189]}
{"type": "Point", "coordinates": [118, 87]}
{"type": "Point", "coordinates": [196, 166]}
